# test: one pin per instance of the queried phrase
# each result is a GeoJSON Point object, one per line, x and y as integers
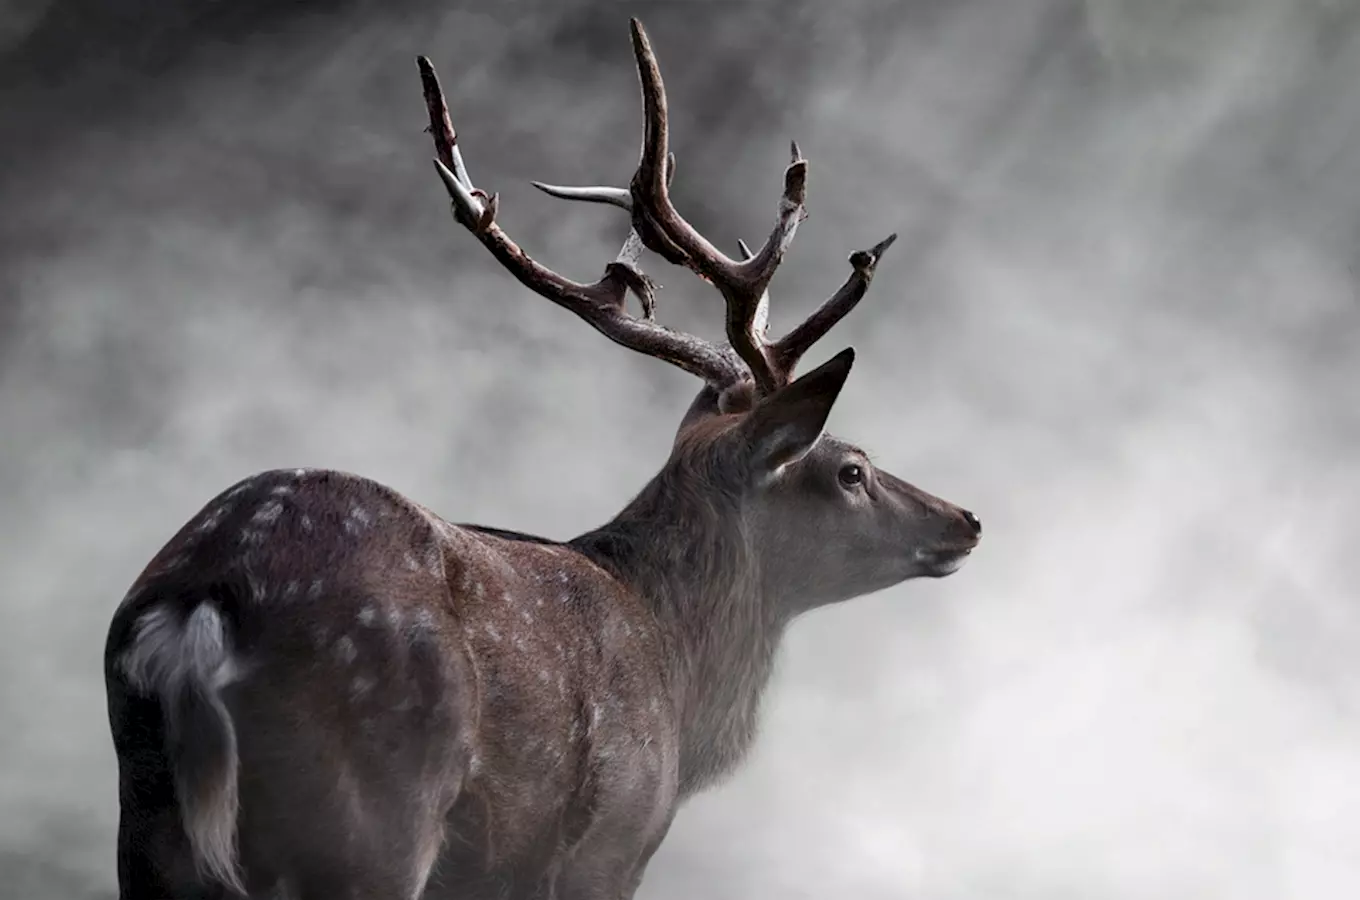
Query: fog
{"type": "Point", "coordinates": [1121, 324]}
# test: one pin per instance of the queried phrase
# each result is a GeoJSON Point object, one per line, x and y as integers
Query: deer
{"type": "Point", "coordinates": [321, 689]}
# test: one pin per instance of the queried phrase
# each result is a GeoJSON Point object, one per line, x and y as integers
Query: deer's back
{"type": "Point", "coordinates": [500, 682]}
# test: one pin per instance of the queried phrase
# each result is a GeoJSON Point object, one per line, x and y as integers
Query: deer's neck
{"type": "Point", "coordinates": [690, 559]}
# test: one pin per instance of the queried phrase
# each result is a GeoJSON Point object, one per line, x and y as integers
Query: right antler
{"type": "Point", "coordinates": [659, 227]}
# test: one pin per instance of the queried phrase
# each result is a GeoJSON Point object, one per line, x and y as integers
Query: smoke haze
{"type": "Point", "coordinates": [1121, 324]}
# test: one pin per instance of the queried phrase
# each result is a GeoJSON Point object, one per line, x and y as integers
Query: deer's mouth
{"type": "Point", "coordinates": [939, 563]}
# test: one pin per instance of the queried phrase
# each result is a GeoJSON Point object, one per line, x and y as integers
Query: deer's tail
{"type": "Point", "coordinates": [184, 659]}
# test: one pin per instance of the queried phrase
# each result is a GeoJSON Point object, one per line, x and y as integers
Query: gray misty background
{"type": "Point", "coordinates": [1122, 325]}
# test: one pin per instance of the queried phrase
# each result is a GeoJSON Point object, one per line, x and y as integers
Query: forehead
{"type": "Point", "coordinates": [832, 445]}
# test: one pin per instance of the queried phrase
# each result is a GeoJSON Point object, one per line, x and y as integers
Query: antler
{"type": "Point", "coordinates": [659, 227]}
{"type": "Point", "coordinates": [602, 304]}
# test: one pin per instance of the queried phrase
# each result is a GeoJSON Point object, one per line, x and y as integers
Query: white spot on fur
{"type": "Point", "coordinates": [314, 590]}
{"type": "Point", "coordinates": [524, 614]}
{"type": "Point", "coordinates": [306, 523]}
{"type": "Point", "coordinates": [479, 590]}
{"type": "Point", "coordinates": [424, 622]}
{"type": "Point", "coordinates": [367, 615]}
{"type": "Point", "coordinates": [257, 591]}
{"type": "Point", "coordinates": [252, 536]}
{"type": "Point", "coordinates": [544, 676]}
{"type": "Point", "coordinates": [281, 490]}
{"type": "Point", "coordinates": [494, 632]}
{"type": "Point", "coordinates": [213, 519]}
{"type": "Point", "coordinates": [235, 491]}
{"type": "Point", "coordinates": [290, 589]}
{"type": "Point", "coordinates": [519, 642]}
{"type": "Point", "coordinates": [344, 650]}
{"type": "Point", "coordinates": [299, 472]}
{"type": "Point", "coordinates": [562, 577]}
{"type": "Point", "coordinates": [410, 560]}
{"type": "Point", "coordinates": [361, 685]}
{"type": "Point", "coordinates": [267, 514]}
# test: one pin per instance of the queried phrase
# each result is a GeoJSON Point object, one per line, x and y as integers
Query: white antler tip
{"type": "Point", "coordinates": [462, 198]}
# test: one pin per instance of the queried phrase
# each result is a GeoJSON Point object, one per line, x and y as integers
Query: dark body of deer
{"type": "Point", "coordinates": [404, 688]}
{"type": "Point", "coordinates": [321, 689]}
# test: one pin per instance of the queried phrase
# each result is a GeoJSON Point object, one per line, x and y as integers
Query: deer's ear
{"type": "Point", "coordinates": [787, 424]}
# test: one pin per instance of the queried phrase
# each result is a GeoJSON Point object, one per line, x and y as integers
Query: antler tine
{"type": "Point", "coordinates": [666, 232]}
{"type": "Point", "coordinates": [760, 321]}
{"type": "Point", "coordinates": [619, 197]}
{"type": "Point", "coordinates": [601, 304]}
{"type": "Point", "coordinates": [785, 352]}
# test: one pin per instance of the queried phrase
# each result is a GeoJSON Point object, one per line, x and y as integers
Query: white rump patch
{"type": "Point", "coordinates": [166, 651]}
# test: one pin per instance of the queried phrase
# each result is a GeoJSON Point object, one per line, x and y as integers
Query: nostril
{"type": "Point", "coordinates": [973, 521]}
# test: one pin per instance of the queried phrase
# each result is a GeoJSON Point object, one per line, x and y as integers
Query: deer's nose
{"type": "Point", "coordinates": [973, 522]}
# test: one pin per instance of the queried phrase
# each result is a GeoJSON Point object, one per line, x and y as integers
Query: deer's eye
{"type": "Point", "coordinates": [851, 475]}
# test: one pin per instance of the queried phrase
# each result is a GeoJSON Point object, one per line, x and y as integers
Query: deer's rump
{"type": "Point", "coordinates": [379, 690]}
{"type": "Point", "coordinates": [317, 677]}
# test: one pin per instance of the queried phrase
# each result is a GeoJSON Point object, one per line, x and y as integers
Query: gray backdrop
{"type": "Point", "coordinates": [1122, 325]}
